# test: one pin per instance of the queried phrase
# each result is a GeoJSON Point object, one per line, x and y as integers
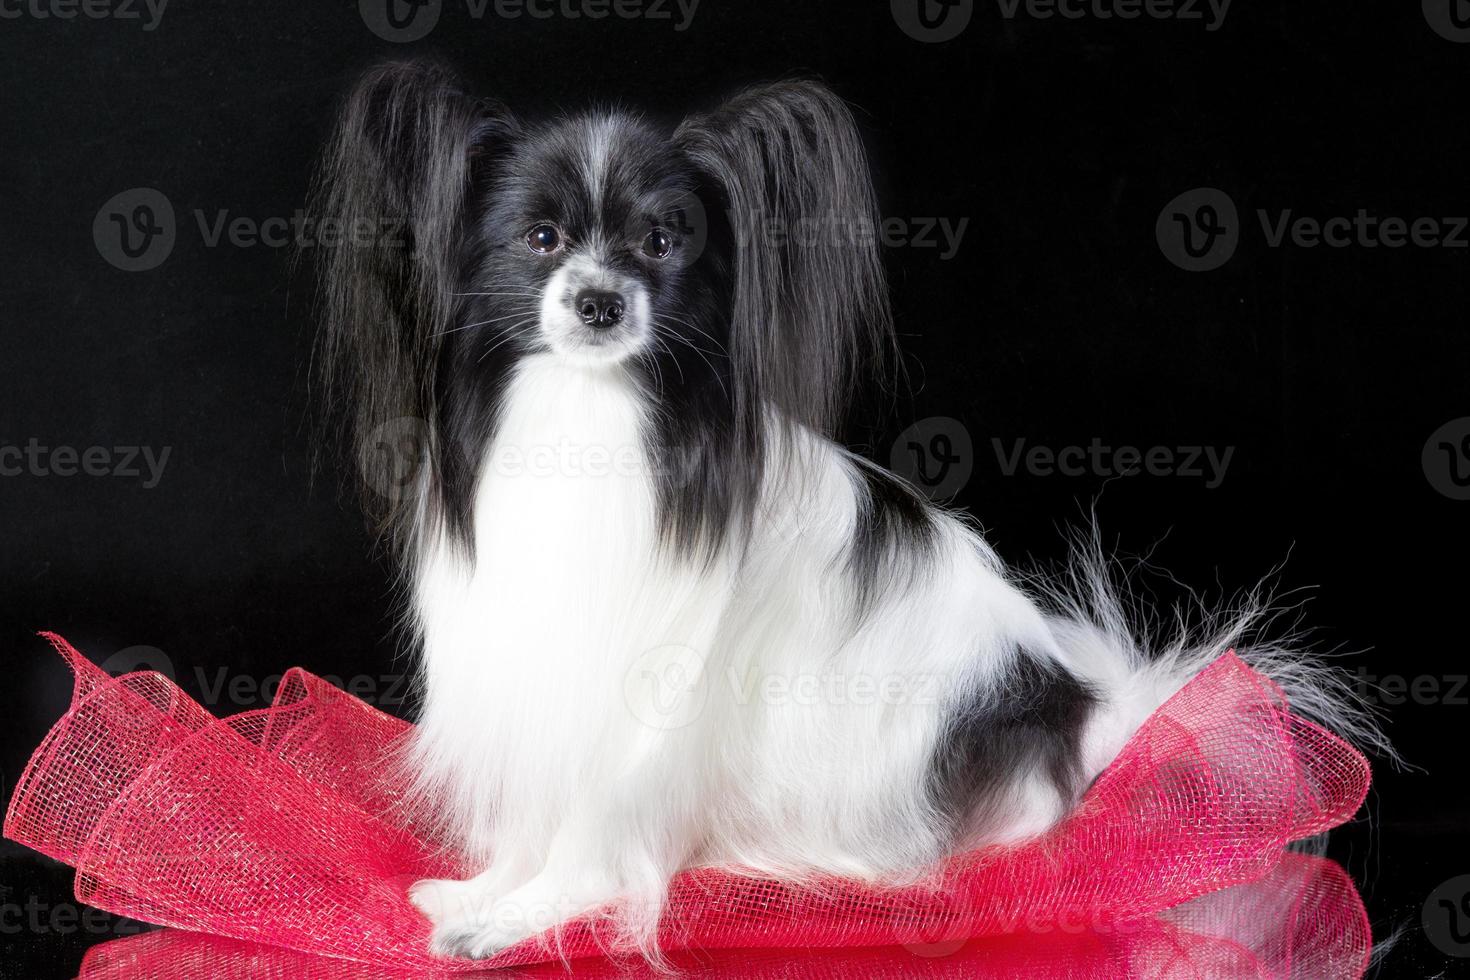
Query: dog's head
{"type": "Point", "coordinates": [587, 245]}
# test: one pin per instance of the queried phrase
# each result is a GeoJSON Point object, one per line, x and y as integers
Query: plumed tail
{"type": "Point", "coordinates": [1138, 658]}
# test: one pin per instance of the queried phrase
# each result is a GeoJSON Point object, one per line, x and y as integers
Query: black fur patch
{"type": "Point", "coordinates": [895, 532]}
{"type": "Point", "coordinates": [1032, 720]}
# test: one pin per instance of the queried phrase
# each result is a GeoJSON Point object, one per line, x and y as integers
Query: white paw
{"type": "Point", "coordinates": [468, 921]}
{"type": "Point", "coordinates": [442, 900]}
{"type": "Point", "coordinates": [474, 941]}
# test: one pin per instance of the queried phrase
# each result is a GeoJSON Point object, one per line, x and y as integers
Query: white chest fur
{"type": "Point", "coordinates": [526, 643]}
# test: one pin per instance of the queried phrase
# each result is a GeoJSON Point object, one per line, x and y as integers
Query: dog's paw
{"type": "Point", "coordinates": [443, 901]}
{"type": "Point", "coordinates": [472, 941]}
{"type": "Point", "coordinates": [465, 919]}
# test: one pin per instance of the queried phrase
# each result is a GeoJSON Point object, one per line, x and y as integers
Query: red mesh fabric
{"type": "Point", "coordinates": [277, 826]}
{"type": "Point", "coordinates": [1303, 920]}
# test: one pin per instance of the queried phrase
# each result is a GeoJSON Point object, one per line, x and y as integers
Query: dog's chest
{"type": "Point", "coordinates": [564, 511]}
{"type": "Point", "coordinates": [567, 456]}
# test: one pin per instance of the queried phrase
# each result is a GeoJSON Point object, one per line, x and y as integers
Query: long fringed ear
{"type": "Point", "coordinates": [394, 181]}
{"type": "Point", "coordinates": [810, 307]}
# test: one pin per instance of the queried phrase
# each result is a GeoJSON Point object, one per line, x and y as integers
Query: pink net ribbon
{"type": "Point", "coordinates": [1304, 921]}
{"type": "Point", "coordinates": [277, 826]}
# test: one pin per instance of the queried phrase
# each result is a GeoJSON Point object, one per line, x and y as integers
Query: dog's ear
{"type": "Point", "coordinates": [397, 172]}
{"type": "Point", "coordinates": [810, 306]}
{"type": "Point", "coordinates": [396, 181]}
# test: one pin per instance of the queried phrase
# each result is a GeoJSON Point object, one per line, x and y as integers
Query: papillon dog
{"type": "Point", "coordinates": [665, 620]}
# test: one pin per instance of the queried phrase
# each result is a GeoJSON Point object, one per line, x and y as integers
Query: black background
{"type": "Point", "coordinates": [1058, 320]}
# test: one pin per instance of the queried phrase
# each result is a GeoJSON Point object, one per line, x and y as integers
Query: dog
{"type": "Point", "coordinates": [665, 620]}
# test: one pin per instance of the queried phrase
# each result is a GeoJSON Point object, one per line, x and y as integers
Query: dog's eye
{"type": "Point", "coordinates": [544, 239]}
{"type": "Point", "coordinates": [658, 244]}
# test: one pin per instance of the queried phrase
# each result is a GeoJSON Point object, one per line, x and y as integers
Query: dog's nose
{"type": "Point", "coordinates": [599, 307]}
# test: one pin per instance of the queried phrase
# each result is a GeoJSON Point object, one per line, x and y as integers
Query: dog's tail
{"type": "Point", "coordinates": [1137, 659]}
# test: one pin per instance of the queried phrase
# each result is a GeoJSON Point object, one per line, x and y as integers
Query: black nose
{"type": "Point", "coordinates": [599, 307]}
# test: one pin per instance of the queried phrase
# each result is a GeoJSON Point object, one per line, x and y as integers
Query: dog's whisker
{"type": "Point", "coordinates": [686, 342]}
{"type": "Point", "coordinates": [658, 374]}
{"type": "Point", "coordinates": [510, 292]}
{"type": "Point", "coordinates": [695, 347]}
{"type": "Point", "coordinates": [685, 323]}
{"type": "Point", "coordinates": [654, 361]}
{"type": "Point", "coordinates": [510, 334]}
{"type": "Point", "coordinates": [482, 323]}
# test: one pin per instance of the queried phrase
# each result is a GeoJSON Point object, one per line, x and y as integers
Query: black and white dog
{"type": "Point", "coordinates": [665, 621]}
